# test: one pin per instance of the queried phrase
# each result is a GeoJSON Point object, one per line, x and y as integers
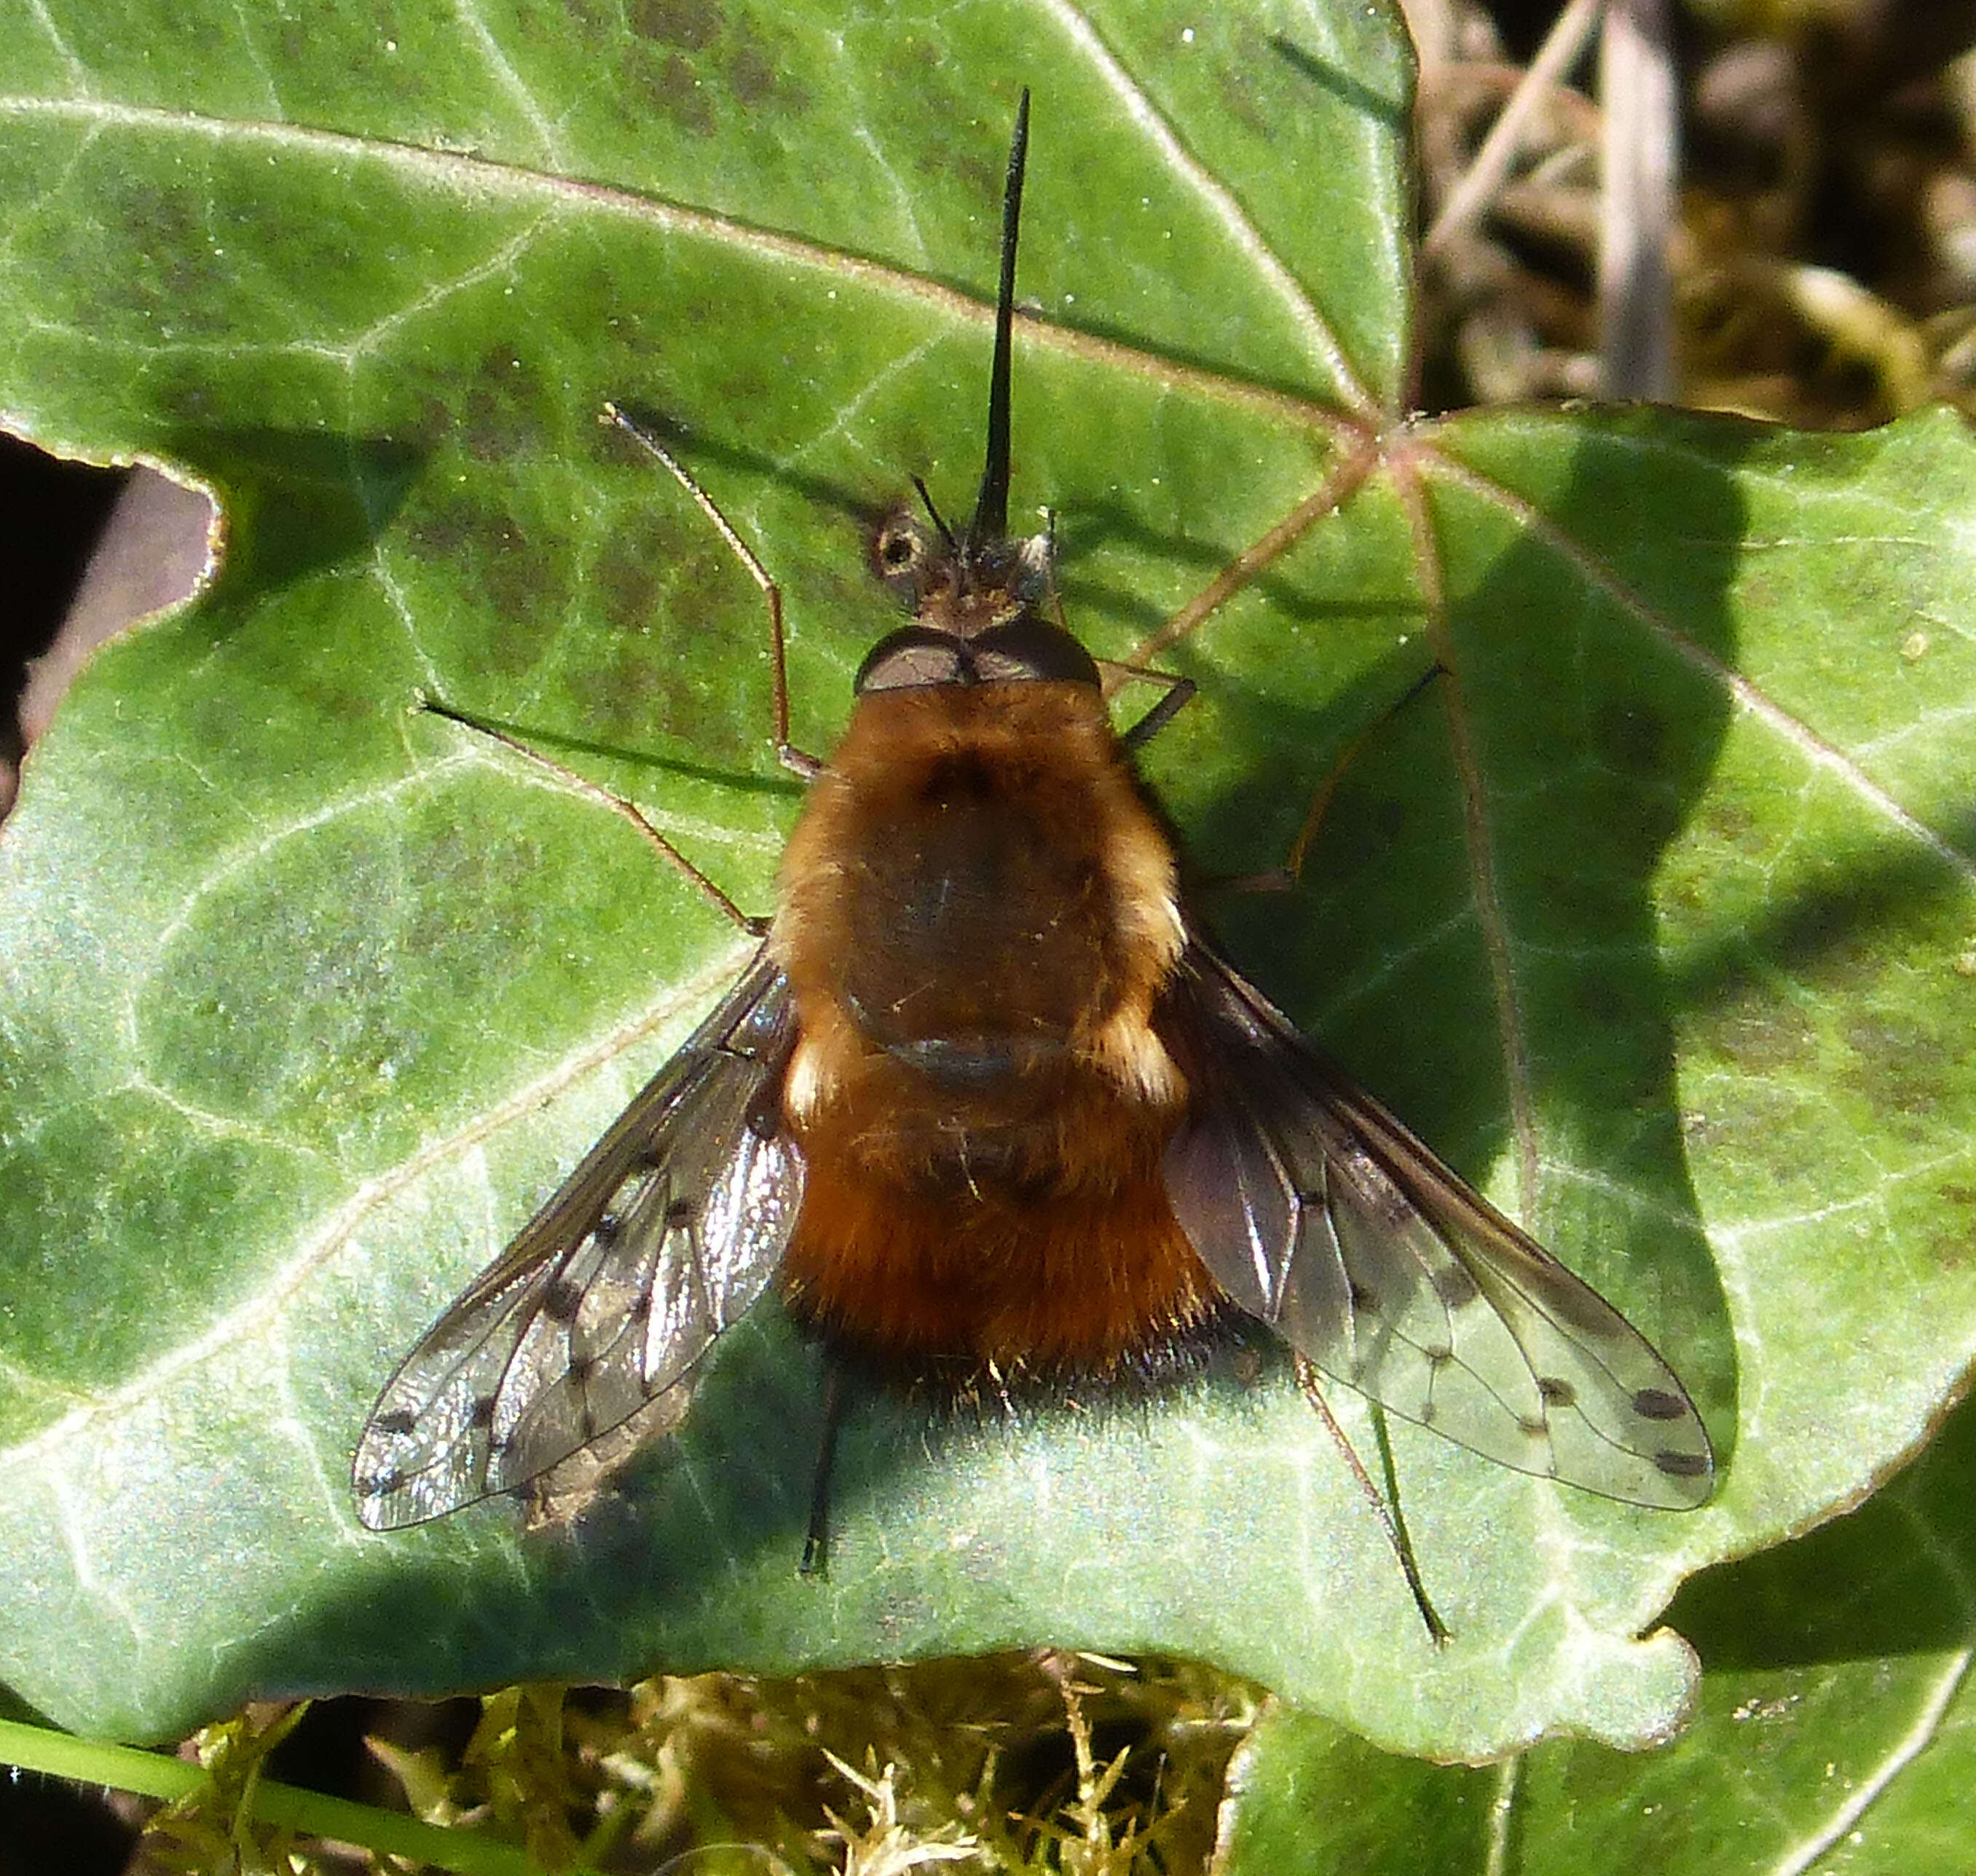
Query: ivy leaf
{"type": "Point", "coordinates": [1653, 913]}
{"type": "Point", "coordinates": [1831, 1730]}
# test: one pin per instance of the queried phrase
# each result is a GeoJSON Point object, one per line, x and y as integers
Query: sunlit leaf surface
{"type": "Point", "coordinates": [1653, 914]}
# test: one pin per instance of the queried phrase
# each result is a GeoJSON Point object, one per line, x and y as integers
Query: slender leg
{"type": "Point", "coordinates": [1389, 1520]}
{"type": "Point", "coordinates": [1409, 1560]}
{"type": "Point", "coordinates": [712, 894]}
{"type": "Point", "coordinates": [816, 1540]}
{"type": "Point", "coordinates": [798, 761]}
{"type": "Point", "coordinates": [1281, 879]}
{"type": "Point", "coordinates": [1179, 693]}
{"type": "Point", "coordinates": [1179, 690]}
{"type": "Point", "coordinates": [786, 752]}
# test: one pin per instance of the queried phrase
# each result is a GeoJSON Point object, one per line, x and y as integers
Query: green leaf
{"type": "Point", "coordinates": [1832, 1731]}
{"type": "Point", "coordinates": [1653, 914]}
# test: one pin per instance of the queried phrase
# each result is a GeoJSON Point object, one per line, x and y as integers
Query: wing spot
{"type": "Point", "coordinates": [395, 1424]}
{"type": "Point", "coordinates": [481, 1413]}
{"type": "Point", "coordinates": [679, 1214]}
{"type": "Point", "coordinates": [1658, 1403]}
{"type": "Point", "coordinates": [639, 1309]}
{"type": "Point", "coordinates": [1536, 1426]}
{"type": "Point", "coordinates": [562, 1300]}
{"type": "Point", "coordinates": [1682, 1465]}
{"type": "Point", "coordinates": [1558, 1392]}
{"type": "Point", "coordinates": [1364, 1300]}
{"type": "Point", "coordinates": [606, 1228]}
{"type": "Point", "coordinates": [1438, 1354]}
{"type": "Point", "coordinates": [383, 1484]}
{"type": "Point", "coordinates": [1454, 1286]}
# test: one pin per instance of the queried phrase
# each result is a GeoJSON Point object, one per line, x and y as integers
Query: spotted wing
{"type": "Point", "coordinates": [664, 1235]}
{"type": "Point", "coordinates": [1318, 1212]}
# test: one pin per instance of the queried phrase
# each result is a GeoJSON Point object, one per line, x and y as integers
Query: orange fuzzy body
{"type": "Point", "coordinates": [977, 917]}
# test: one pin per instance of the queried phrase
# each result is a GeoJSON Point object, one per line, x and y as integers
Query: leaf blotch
{"type": "Point", "coordinates": [692, 24]}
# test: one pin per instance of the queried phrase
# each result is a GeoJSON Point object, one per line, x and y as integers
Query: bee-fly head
{"type": "Point", "coordinates": [978, 579]}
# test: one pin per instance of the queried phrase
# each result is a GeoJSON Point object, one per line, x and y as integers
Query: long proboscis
{"type": "Point", "coordinates": [991, 512]}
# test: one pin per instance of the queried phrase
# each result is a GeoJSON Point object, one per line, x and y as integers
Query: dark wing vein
{"type": "Point", "coordinates": [668, 1230]}
{"type": "Point", "coordinates": [1319, 1213]}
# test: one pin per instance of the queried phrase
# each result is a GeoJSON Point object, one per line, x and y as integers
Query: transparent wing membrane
{"type": "Point", "coordinates": [664, 1235]}
{"type": "Point", "coordinates": [1318, 1212]}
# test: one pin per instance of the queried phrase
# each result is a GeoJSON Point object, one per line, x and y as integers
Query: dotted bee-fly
{"type": "Point", "coordinates": [986, 1103]}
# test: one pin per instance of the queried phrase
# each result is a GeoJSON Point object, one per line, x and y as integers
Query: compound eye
{"type": "Point", "coordinates": [915, 657]}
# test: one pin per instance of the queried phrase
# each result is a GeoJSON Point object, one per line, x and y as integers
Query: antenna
{"type": "Point", "coordinates": [991, 513]}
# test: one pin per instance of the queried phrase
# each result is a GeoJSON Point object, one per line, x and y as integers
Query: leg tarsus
{"type": "Point", "coordinates": [1390, 1522]}
{"type": "Point", "coordinates": [816, 1538]}
{"type": "Point", "coordinates": [1284, 878]}
{"type": "Point", "coordinates": [628, 811]}
{"type": "Point", "coordinates": [1179, 693]}
{"type": "Point", "coordinates": [648, 440]}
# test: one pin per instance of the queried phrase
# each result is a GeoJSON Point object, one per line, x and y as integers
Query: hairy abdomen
{"type": "Point", "coordinates": [977, 918]}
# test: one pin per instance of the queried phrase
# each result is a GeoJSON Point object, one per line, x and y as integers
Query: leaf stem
{"type": "Point", "coordinates": [384, 1833]}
